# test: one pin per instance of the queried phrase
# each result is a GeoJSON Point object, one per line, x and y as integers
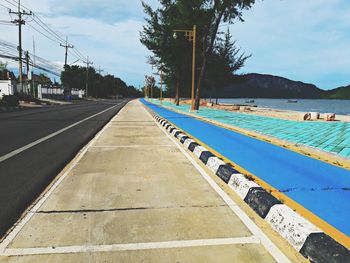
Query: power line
{"type": "Point", "coordinates": [76, 56]}
{"type": "Point", "coordinates": [15, 4]}
{"type": "Point", "coordinates": [11, 3]}
{"type": "Point", "coordinates": [42, 28]}
{"type": "Point", "coordinates": [48, 28]}
{"type": "Point", "coordinates": [4, 6]}
{"type": "Point", "coordinates": [43, 34]}
{"type": "Point", "coordinates": [49, 32]}
{"type": "Point", "coordinates": [41, 63]}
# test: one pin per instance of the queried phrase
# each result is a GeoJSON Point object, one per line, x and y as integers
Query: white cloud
{"type": "Point", "coordinates": [114, 46]}
{"type": "Point", "coordinates": [302, 40]}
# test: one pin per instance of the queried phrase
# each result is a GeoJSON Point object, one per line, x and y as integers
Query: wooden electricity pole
{"type": "Point", "coordinates": [66, 47]}
{"type": "Point", "coordinates": [88, 63]}
{"type": "Point", "coordinates": [19, 22]}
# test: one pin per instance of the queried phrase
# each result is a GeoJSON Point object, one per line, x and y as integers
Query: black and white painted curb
{"type": "Point", "coordinates": [304, 236]}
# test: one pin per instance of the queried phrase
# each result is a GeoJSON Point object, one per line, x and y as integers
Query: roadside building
{"type": "Point", "coordinates": [7, 83]}
{"type": "Point", "coordinates": [58, 92]}
{"type": "Point", "coordinates": [7, 87]}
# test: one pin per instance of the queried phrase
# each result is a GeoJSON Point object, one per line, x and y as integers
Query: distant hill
{"type": "Point", "coordinates": [267, 86]}
{"type": "Point", "coordinates": [338, 93]}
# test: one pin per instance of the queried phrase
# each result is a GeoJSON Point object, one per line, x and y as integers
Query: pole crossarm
{"type": "Point", "coordinates": [183, 30]}
{"type": "Point", "coordinates": [189, 34]}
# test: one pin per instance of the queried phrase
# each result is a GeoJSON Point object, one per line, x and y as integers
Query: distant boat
{"type": "Point", "coordinates": [249, 101]}
{"type": "Point", "coordinates": [292, 101]}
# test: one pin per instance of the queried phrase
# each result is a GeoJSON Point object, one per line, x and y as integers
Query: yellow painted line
{"type": "Point", "coordinates": [321, 156]}
{"type": "Point", "coordinates": [319, 222]}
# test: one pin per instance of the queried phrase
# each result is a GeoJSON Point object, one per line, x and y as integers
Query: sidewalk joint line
{"type": "Point", "coordinates": [130, 246]}
{"type": "Point", "coordinates": [124, 209]}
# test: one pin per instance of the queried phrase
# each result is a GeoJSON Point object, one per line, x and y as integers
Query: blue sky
{"type": "Point", "coordinates": [301, 40]}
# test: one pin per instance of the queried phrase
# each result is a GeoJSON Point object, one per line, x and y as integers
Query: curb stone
{"type": "Point", "coordinates": [305, 237]}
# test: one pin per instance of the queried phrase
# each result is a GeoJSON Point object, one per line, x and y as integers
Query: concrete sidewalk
{"type": "Point", "coordinates": [134, 196]}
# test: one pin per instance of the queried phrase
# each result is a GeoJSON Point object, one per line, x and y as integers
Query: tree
{"type": "Point", "coordinates": [183, 14]}
{"type": "Point", "coordinates": [3, 70]}
{"type": "Point", "coordinates": [149, 85]}
{"type": "Point", "coordinates": [43, 79]}
{"type": "Point", "coordinates": [218, 11]}
{"type": "Point", "coordinates": [3, 65]}
{"type": "Point", "coordinates": [225, 61]}
{"type": "Point", "coordinates": [173, 55]}
{"type": "Point", "coordinates": [74, 77]}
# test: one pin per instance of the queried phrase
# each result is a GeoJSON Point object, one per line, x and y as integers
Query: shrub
{"type": "Point", "coordinates": [9, 100]}
{"type": "Point", "coordinates": [27, 98]}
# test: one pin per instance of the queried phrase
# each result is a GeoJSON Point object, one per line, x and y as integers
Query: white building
{"type": "Point", "coordinates": [7, 87]}
{"type": "Point", "coordinates": [58, 92]}
{"type": "Point", "coordinates": [80, 93]}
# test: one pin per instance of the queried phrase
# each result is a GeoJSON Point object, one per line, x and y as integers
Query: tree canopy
{"type": "Point", "coordinates": [74, 77]}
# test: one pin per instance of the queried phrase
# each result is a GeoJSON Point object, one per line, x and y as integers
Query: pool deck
{"type": "Point", "coordinates": [318, 190]}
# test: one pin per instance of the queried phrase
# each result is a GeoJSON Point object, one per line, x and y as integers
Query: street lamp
{"type": "Point", "coordinates": [161, 85]}
{"type": "Point", "coordinates": [191, 36]}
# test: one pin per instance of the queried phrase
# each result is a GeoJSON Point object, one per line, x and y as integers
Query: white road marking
{"type": "Point", "coordinates": [132, 146]}
{"type": "Point", "coordinates": [132, 126]}
{"type": "Point", "coordinates": [40, 201]}
{"type": "Point", "coordinates": [30, 145]}
{"type": "Point", "coordinates": [130, 246]}
{"type": "Point", "coordinates": [266, 242]}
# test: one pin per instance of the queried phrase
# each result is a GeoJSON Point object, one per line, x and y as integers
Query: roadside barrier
{"type": "Point", "coordinates": [304, 236]}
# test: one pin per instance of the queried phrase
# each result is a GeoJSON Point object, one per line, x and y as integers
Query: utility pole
{"type": "Point", "coordinates": [161, 86]}
{"type": "Point", "coordinates": [34, 61]}
{"type": "Point", "coordinates": [66, 46]}
{"type": "Point", "coordinates": [88, 63]}
{"type": "Point", "coordinates": [117, 86]}
{"type": "Point", "coordinates": [99, 71]}
{"type": "Point", "coordinates": [19, 22]}
{"type": "Point", "coordinates": [27, 67]}
{"type": "Point", "coordinates": [191, 35]}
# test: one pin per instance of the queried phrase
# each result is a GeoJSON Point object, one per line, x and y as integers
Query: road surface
{"type": "Point", "coordinates": [36, 144]}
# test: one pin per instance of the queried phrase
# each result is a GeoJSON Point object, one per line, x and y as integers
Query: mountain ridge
{"type": "Point", "coordinates": [255, 85]}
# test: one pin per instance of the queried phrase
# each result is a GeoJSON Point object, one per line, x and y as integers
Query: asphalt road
{"type": "Point", "coordinates": [26, 172]}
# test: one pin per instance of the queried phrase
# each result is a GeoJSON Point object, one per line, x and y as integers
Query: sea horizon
{"type": "Point", "coordinates": [337, 106]}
